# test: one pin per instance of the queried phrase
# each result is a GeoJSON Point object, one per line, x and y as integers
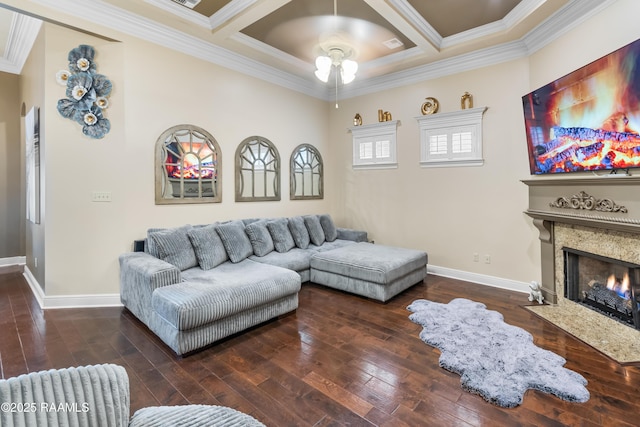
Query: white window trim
{"type": "Point", "coordinates": [377, 132]}
{"type": "Point", "coordinates": [447, 123]}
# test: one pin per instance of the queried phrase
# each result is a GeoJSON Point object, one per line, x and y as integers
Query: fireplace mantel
{"type": "Point", "coordinates": [607, 203]}
{"type": "Point", "coordinates": [600, 202]}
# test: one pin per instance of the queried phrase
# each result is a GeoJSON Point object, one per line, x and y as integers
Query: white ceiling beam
{"type": "Point", "coordinates": [427, 39]}
{"type": "Point", "coordinates": [239, 14]}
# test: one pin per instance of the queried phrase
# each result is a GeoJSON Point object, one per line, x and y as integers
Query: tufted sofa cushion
{"type": "Point", "coordinates": [316, 233]}
{"type": "Point", "coordinates": [235, 240]}
{"type": "Point", "coordinates": [282, 238]}
{"type": "Point", "coordinates": [173, 246]}
{"type": "Point", "coordinates": [208, 246]}
{"type": "Point", "coordinates": [260, 237]}
{"type": "Point", "coordinates": [329, 228]}
{"type": "Point", "coordinates": [299, 232]}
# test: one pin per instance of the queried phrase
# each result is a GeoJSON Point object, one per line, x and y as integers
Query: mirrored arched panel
{"type": "Point", "coordinates": [188, 166]}
{"type": "Point", "coordinates": [306, 173]}
{"type": "Point", "coordinates": [257, 170]}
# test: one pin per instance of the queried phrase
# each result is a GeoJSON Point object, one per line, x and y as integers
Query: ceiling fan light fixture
{"type": "Point", "coordinates": [323, 64]}
{"type": "Point", "coordinates": [335, 56]}
{"type": "Point", "coordinates": [322, 75]}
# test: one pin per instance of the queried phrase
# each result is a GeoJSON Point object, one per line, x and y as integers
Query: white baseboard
{"type": "Point", "coordinates": [483, 279]}
{"type": "Point", "coordinates": [113, 300]}
{"type": "Point", "coordinates": [36, 289]}
{"type": "Point", "coordinates": [16, 261]}
{"type": "Point", "coordinates": [69, 301]}
{"type": "Point", "coordinates": [82, 301]}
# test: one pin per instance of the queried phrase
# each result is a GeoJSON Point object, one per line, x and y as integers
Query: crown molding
{"type": "Point", "coordinates": [567, 18]}
{"type": "Point", "coordinates": [23, 33]}
{"type": "Point", "coordinates": [228, 12]}
{"type": "Point", "coordinates": [259, 46]}
{"type": "Point", "coordinates": [181, 11]}
{"type": "Point", "coordinates": [466, 62]}
{"type": "Point", "coordinates": [104, 14]}
{"type": "Point", "coordinates": [118, 19]}
{"type": "Point", "coordinates": [409, 13]}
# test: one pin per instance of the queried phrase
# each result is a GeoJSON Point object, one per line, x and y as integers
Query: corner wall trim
{"type": "Point", "coordinates": [69, 301]}
{"type": "Point", "coordinates": [36, 289]}
{"type": "Point", "coordinates": [483, 279]}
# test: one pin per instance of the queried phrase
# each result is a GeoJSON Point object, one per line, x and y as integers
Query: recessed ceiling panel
{"type": "Point", "coordinates": [449, 17]}
{"type": "Point", "coordinates": [209, 7]}
{"type": "Point", "coordinates": [301, 27]}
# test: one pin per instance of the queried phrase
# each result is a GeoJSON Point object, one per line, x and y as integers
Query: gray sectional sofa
{"type": "Point", "coordinates": [194, 285]}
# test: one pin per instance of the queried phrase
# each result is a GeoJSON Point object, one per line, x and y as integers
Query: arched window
{"type": "Point", "coordinates": [257, 170]}
{"type": "Point", "coordinates": [188, 162]}
{"type": "Point", "coordinates": [306, 173]}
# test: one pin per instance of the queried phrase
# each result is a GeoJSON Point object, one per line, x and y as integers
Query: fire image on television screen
{"type": "Point", "coordinates": [589, 119]}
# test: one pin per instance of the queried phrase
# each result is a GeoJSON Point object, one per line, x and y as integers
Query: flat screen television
{"type": "Point", "coordinates": [588, 120]}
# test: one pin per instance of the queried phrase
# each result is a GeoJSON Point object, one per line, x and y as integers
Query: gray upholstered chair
{"type": "Point", "coordinates": [96, 395]}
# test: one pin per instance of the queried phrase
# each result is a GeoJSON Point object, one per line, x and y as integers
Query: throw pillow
{"type": "Point", "coordinates": [299, 232]}
{"type": "Point", "coordinates": [235, 240]}
{"type": "Point", "coordinates": [316, 234]}
{"type": "Point", "coordinates": [150, 247]}
{"type": "Point", "coordinates": [173, 246]}
{"type": "Point", "coordinates": [259, 237]}
{"type": "Point", "coordinates": [279, 230]}
{"type": "Point", "coordinates": [208, 246]}
{"type": "Point", "coordinates": [329, 228]}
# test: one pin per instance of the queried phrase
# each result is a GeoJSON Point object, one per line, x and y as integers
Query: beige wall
{"type": "Point", "coordinates": [11, 207]}
{"type": "Point", "coordinates": [450, 212]}
{"type": "Point", "coordinates": [154, 89]}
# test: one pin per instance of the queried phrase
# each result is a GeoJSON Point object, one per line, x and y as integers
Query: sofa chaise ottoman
{"type": "Point", "coordinates": [207, 307]}
{"type": "Point", "coordinates": [374, 271]}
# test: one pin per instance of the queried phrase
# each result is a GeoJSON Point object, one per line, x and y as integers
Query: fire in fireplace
{"type": "Point", "coordinates": [606, 285]}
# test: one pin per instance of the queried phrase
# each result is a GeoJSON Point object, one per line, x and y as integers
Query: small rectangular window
{"type": "Point", "coordinates": [451, 139]}
{"type": "Point", "coordinates": [366, 150]}
{"type": "Point", "coordinates": [374, 146]}
{"type": "Point", "coordinates": [383, 149]}
{"type": "Point", "coordinates": [438, 144]}
{"type": "Point", "coordinates": [461, 142]}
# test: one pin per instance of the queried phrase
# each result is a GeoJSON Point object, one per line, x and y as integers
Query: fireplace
{"type": "Point", "coordinates": [589, 229]}
{"type": "Point", "coordinates": [606, 285]}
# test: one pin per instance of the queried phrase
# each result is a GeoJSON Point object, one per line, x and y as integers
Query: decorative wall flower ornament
{"type": "Point", "coordinates": [87, 93]}
{"type": "Point", "coordinates": [62, 76]}
{"type": "Point", "coordinates": [81, 59]}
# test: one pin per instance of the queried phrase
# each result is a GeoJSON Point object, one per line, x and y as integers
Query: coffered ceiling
{"type": "Point", "coordinates": [395, 42]}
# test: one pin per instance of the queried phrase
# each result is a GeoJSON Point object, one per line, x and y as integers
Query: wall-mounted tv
{"type": "Point", "coordinates": [588, 120]}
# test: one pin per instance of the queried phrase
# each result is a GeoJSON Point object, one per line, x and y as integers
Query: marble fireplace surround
{"type": "Point", "coordinates": [600, 215]}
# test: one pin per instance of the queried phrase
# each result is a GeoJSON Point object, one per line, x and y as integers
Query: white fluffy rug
{"type": "Point", "coordinates": [496, 360]}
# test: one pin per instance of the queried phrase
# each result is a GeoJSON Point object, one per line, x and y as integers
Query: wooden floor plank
{"type": "Point", "coordinates": [338, 360]}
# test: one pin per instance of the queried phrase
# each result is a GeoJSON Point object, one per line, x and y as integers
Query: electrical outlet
{"type": "Point", "coordinates": [487, 259]}
{"type": "Point", "coordinates": [101, 196]}
{"type": "Point", "coordinates": [476, 257]}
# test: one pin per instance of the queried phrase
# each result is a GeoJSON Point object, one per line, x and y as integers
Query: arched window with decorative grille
{"type": "Point", "coordinates": [306, 181]}
{"type": "Point", "coordinates": [188, 166]}
{"type": "Point", "coordinates": [257, 170]}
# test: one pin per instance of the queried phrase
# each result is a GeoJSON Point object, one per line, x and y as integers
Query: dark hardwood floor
{"type": "Point", "coordinates": [339, 360]}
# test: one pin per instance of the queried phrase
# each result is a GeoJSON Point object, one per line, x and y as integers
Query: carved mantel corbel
{"type": "Point", "coordinates": [545, 230]}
